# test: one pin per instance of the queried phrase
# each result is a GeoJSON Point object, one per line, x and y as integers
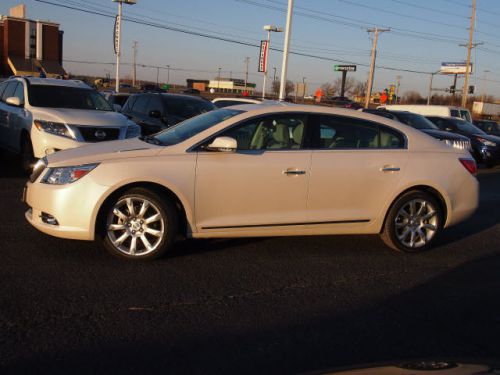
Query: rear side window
{"type": "Point", "coordinates": [154, 104]}
{"type": "Point", "coordinates": [454, 113]}
{"type": "Point", "coordinates": [187, 107]}
{"type": "Point", "coordinates": [9, 90]}
{"type": "Point", "coordinates": [344, 133]}
{"type": "Point", "coordinates": [465, 115]}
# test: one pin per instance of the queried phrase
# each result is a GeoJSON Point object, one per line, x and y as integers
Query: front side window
{"type": "Point", "coordinates": [141, 104]}
{"type": "Point", "coordinates": [275, 132]}
{"type": "Point", "coordinates": [9, 90]}
{"type": "Point", "coordinates": [19, 93]}
{"type": "Point", "coordinates": [66, 97]}
{"type": "Point", "coordinates": [154, 104]}
{"type": "Point", "coordinates": [187, 107]}
{"type": "Point", "coordinates": [455, 113]}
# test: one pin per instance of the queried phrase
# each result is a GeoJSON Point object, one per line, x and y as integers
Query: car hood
{"type": "Point", "coordinates": [440, 134]}
{"type": "Point", "coordinates": [99, 152]}
{"type": "Point", "coordinates": [80, 116]}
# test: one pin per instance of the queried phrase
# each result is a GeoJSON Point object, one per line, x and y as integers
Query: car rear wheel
{"type": "Point", "coordinates": [140, 225]}
{"type": "Point", "coordinates": [413, 223]}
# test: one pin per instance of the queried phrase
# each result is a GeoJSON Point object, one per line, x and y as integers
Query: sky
{"type": "Point", "coordinates": [423, 34]}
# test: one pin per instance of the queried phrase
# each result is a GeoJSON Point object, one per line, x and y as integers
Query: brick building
{"type": "Point", "coordinates": [28, 47]}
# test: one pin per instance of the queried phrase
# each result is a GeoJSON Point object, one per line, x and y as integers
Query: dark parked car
{"type": "Point", "coordinates": [119, 98]}
{"type": "Point", "coordinates": [488, 126]}
{"type": "Point", "coordinates": [421, 123]}
{"type": "Point", "coordinates": [485, 147]}
{"type": "Point", "coordinates": [155, 111]}
{"type": "Point", "coordinates": [343, 102]}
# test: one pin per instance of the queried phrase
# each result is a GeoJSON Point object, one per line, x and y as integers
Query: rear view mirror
{"type": "Point", "coordinates": [15, 101]}
{"type": "Point", "coordinates": [223, 144]}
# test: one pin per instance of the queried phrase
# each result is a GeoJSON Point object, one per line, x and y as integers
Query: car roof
{"type": "Point", "coordinates": [57, 82]}
{"type": "Point", "coordinates": [243, 100]}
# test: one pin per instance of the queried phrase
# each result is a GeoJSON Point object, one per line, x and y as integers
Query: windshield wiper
{"type": "Point", "coordinates": [152, 140]}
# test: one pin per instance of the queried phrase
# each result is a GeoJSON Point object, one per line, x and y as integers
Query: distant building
{"type": "Point", "coordinates": [231, 85]}
{"type": "Point", "coordinates": [198, 84]}
{"type": "Point", "coordinates": [30, 47]}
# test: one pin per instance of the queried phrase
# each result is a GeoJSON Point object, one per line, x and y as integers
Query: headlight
{"type": "Point", "coordinates": [486, 142]}
{"type": "Point", "coordinates": [67, 175]}
{"type": "Point", "coordinates": [133, 131]}
{"type": "Point", "coordinates": [55, 128]}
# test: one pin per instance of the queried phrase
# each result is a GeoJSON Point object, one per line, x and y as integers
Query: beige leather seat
{"type": "Point", "coordinates": [281, 137]}
{"type": "Point", "coordinates": [297, 135]}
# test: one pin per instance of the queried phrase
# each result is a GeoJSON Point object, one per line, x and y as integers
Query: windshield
{"type": "Point", "coordinates": [193, 126]}
{"type": "Point", "coordinates": [415, 121]}
{"type": "Point", "coordinates": [466, 127]}
{"type": "Point", "coordinates": [66, 97]}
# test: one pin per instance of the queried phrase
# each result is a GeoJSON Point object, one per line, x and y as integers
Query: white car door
{"type": "Point", "coordinates": [355, 168]}
{"type": "Point", "coordinates": [263, 184]}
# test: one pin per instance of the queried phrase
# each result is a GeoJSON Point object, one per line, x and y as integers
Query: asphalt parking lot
{"type": "Point", "coordinates": [274, 305]}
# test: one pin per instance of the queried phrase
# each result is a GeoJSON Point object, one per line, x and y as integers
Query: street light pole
{"type": "Point", "coordinates": [430, 88]}
{"type": "Point", "coordinates": [284, 66]}
{"type": "Point", "coordinates": [303, 88]}
{"type": "Point", "coordinates": [376, 31]}
{"type": "Point", "coordinates": [269, 29]}
{"type": "Point", "coordinates": [118, 39]}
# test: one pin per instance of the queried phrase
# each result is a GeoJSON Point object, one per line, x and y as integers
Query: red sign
{"type": "Point", "coordinates": [264, 46]}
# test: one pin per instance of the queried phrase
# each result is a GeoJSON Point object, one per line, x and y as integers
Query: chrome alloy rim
{"type": "Point", "coordinates": [135, 226]}
{"type": "Point", "coordinates": [416, 223]}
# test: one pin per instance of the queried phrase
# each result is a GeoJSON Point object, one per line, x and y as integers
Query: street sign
{"type": "Point", "coordinates": [454, 68]}
{"type": "Point", "coordinates": [116, 35]}
{"type": "Point", "coordinates": [344, 68]}
{"type": "Point", "coordinates": [263, 56]}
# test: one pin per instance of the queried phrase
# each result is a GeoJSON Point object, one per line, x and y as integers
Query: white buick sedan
{"type": "Point", "coordinates": [256, 170]}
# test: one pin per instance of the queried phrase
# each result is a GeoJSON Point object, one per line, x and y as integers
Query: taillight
{"type": "Point", "coordinates": [470, 165]}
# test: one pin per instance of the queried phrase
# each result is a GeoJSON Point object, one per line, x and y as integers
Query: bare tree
{"type": "Point", "coordinates": [289, 88]}
{"type": "Point", "coordinates": [412, 97]}
{"type": "Point", "coordinates": [359, 88]}
{"type": "Point", "coordinates": [334, 88]}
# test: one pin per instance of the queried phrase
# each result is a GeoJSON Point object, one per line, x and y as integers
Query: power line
{"type": "Point", "coordinates": [229, 40]}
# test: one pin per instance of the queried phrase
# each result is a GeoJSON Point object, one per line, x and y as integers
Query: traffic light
{"type": "Point", "coordinates": [471, 89]}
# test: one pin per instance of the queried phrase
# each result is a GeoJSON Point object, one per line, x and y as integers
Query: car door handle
{"type": "Point", "coordinates": [293, 172]}
{"type": "Point", "coordinates": [388, 168]}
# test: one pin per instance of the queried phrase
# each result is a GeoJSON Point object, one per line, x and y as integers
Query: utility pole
{"type": "Point", "coordinates": [369, 86]}
{"type": "Point", "coordinates": [168, 74]}
{"type": "Point", "coordinates": [284, 66]}
{"type": "Point", "coordinates": [247, 61]}
{"type": "Point", "coordinates": [303, 88]}
{"type": "Point", "coordinates": [157, 75]}
{"type": "Point", "coordinates": [469, 50]}
{"type": "Point", "coordinates": [134, 57]}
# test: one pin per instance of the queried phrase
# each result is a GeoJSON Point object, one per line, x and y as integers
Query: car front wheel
{"type": "Point", "coordinates": [140, 224]}
{"type": "Point", "coordinates": [413, 223]}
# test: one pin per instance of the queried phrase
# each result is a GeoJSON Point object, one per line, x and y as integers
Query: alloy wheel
{"type": "Point", "coordinates": [416, 223]}
{"type": "Point", "coordinates": [135, 226]}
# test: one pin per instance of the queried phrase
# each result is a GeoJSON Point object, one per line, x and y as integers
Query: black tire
{"type": "Point", "coordinates": [28, 159]}
{"type": "Point", "coordinates": [396, 223]}
{"type": "Point", "coordinates": [158, 204]}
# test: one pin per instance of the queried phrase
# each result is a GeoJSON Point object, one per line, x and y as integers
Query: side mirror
{"type": "Point", "coordinates": [15, 101]}
{"type": "Point", "coordinates": [223, 144]}
{"type": "Point", "coordinates": [117, 107]}
{"type": "Point", "coordinates": [154, 114]}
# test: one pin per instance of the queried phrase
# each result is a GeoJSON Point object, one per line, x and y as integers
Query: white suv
{"type": "Point", "coordinates": [39, 116]}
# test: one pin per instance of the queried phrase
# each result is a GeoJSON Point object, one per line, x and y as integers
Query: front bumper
{"type": "Point", "coordinates": [74, 206]}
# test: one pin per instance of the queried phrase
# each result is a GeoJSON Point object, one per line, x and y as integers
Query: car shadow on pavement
{"type": "Point", "coordinates": [452, 315]}
{"type": "Point", "coordinates": [10, 166]}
